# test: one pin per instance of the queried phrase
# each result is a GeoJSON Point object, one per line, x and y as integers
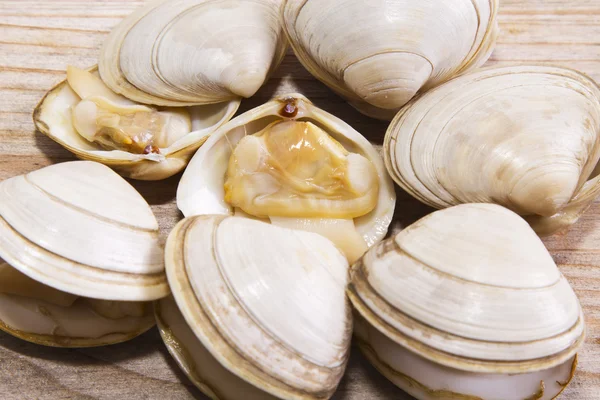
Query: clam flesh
{"type": "Point", "coordinates": [138, 141]}
{"type": "Point", "coordinates": [292, 164]}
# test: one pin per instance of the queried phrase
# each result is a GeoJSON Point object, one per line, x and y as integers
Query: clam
{"type": "Point", "coordinates": [525, 137]}
{"type": "Point", "coordinates": [379, 54]}
{"type": "Point", "coordinates": [467, 303]}
{"type": "Point", "coordinates": [137, 141]}
{"type": "Point", "coordinates": [189, 52]}
{"type": "Point", "coordinates": [258, 311]}
{"type": "Point", "coordinates": [82, 257]}
{"type": "Point", "coordinates": [292, 164]}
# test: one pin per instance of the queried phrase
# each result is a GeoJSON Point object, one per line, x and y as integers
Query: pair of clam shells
{"type": "Point", "coordinates": [201, 56]}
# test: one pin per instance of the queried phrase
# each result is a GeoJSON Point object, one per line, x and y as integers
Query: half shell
{"type": "Point", "coordinates": [379, 54]}
{"type": "Point", "coordinates": [54, 117]}
{"type": "Point", "coordinates": [269, 325]}
{"type": "Point", "coordinates": [77, 234]}
{"type": "Point", "coordinates": [525, 137]}
{"type": "Point", "coordinates": [467, 301]}
{"type": "Point", "coordinates": [189, 52]}
{"type": "Point", "coordinates": [201, 190]}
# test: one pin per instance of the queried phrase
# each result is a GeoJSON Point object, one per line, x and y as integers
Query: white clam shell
{"type": "Point", "coordinates": [201, 190]}
{"type": "Point", "coordinates": [378, 54]}
{"type": "Point", "coordinates": [525, 137]}
{"type": "Point", "coordinates": [469, 288]}
{"type": "Point", "coordinates": [82, 229]}
{"type": "Point", "coordinates": [189, 52]}
{"type": "Point", "coordinates": [267, 302]}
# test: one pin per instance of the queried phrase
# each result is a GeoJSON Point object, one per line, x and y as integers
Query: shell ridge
{"type": "Point", "coordinates": [362, 276]}
{"type": "Point", "coordinates": [154, 279]}
{"type": "Point", "coordinates": [343, 72]}
{"type": "Point", "coordinates": [426, 350]}
{"type": "Point", "coordinates": [457, 278]}
{"type": "Point", "coordinates": [92, 214]}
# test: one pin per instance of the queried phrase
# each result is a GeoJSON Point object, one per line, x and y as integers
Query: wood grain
{"type": "Point", "coordinates": [38, 39]}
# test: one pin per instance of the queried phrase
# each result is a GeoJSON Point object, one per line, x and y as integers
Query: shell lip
{"type": "Point", "coordinates": [452, 360]}
{"type": "Point", "coordinates": [75, 342]}
{"type": "Point", "coordinates": [26, 264]}
{"type": "Point", "coordinates": [172, 343]}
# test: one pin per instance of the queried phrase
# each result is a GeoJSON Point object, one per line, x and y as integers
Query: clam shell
{"type": "Point", "coordinates": [525, 137]}
{"type": "Point", "coordinates": [229, 48]}
{"type": "Point", "coordinates": [280, 323]}
{"type": "Point", "coordinates": [201, 191]}
{"type": "Point", "coordinates": [80, 228]}
{"type": "Point", "coordinates": [53, 117]}
{"type": "Point", "coordinates": [470, 288]}
{"type": "Point", "coordinates": [378, 54]}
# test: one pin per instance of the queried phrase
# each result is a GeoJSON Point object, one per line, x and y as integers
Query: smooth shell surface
{"type": "Point", "coordinates": [53, 117]}
{"type": "Point", "coordinates": [378, 54]}
{"type": "Point", "coordinates": [525, 137]}
{"type": "Point", "coordinates": [201, 190]}
{"type": "Point", "coordinates": [80, 228]}
{"type": "Point", "coordinates": [189, 52]}
{"type": "Point", "coordinates": [453, 286]}
{"type": "Point", "coordinates": [267, 302]}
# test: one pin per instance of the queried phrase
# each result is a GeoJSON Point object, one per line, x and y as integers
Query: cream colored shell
{"type": "Point", "coordinates": [525, 137]}
{"type": "Point", "coordinates": [201, 191]}
{"type": "Point", "coordinates": [53, 117]}
{"type": "Point", "coordinates": [378, 54]}
{"type": "Point", "coordinates": [469, 288]}
{"type": "Point", "coordinates": [79, 229]}
{"type": "Point", "coordinates": [190, 52]}
{"type": "Point", "coordinates": [268, 303]}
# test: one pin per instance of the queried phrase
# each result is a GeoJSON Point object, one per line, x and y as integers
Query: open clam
{"type": "Point", "coordinates": [189, 52]}
{"type": "Point", "coordinates": [260, 311]}
{"type": "Point", "coordinates": [378, 54]}
{"type": "Point", "coordinates": [525, 137]}
{"type": "Point", "coordinates": [137, 141]}
{"type": "Point", "coordinates": [467, 303]}
{"type": "Point", "coordinates": [83, 257]}
{"type": "Point", "coordinates": [292, 164]}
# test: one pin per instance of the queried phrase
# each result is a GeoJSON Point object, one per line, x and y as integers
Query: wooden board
{"type": "Point", "coordinates": [38, 39]}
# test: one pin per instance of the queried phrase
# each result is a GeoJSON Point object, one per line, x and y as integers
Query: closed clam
{"type": "Point", "coordinates": [292, 164]}
{"type": "Point", "coordinates": [82, 257]}
{"type": "Point", "coordinates": [258, 311]}
{"type": "Point", "coordinates": [525, 137]}
{"type": "Point", "coordinates": [467, 303]}
{"type": "Point", "coordinates": [137, 141]}
{"type": "Point", "coordinates": [378, 54]}
{"type": "Point", "coordinates": [190, 52]}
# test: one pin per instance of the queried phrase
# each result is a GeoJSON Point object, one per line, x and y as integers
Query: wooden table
{"type": "Point", "coordinates": [38, 39]}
